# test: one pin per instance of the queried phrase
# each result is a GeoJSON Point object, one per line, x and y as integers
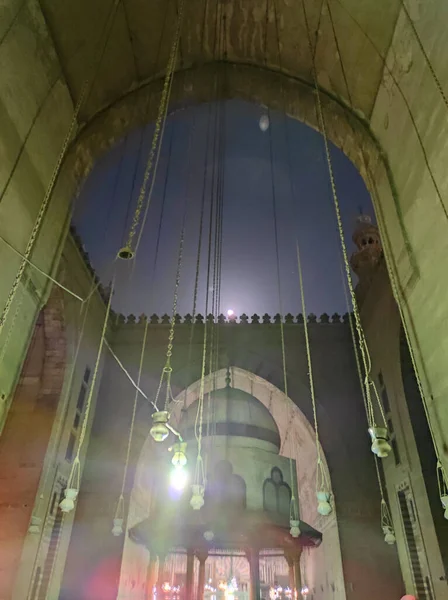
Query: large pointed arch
{"type": "Point", "coordinates": [297, 442]}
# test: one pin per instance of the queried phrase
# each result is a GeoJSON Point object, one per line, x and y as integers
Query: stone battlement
{"type": "Point", "coordinates": [255, 319]}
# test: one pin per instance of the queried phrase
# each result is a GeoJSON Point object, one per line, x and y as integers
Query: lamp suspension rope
{"type": "Point", "coordinates": [73, 483]}
{"type": "Point", "coordinates": [322, 480]}
{"type": "Point", "coordinates": [294, 511]}
{"type": "Point", "coordinates": [386, 518]}
{"type": "Point", "coordinates": [199, 480]}
{"type": "Point", "coordinates": [380, 445]}
{"type": "Point", "coordinates": [167, 369]}
{"type": "Point", "coordinates": [86, 87]}
{"type": "Point", "coordinates": [198, 259]}
{"type": "Point", "coordinates": [119, 516]}
{"type": "Point", "coordinates": [128, 251]}
{"type": "Point", "coordinates": [442, 478]}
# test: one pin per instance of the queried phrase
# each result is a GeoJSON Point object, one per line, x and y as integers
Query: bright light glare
{"type": "Point", "coordinates": [230, 313]}
{"type": "Point", "coordinates": [178, 478]}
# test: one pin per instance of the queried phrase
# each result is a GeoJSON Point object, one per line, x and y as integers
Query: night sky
{"type": "Point", "coordinates": [304, 203]}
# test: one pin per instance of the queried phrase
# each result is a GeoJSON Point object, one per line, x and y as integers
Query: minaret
{"type": "Point", "coordinates": [369, 250]}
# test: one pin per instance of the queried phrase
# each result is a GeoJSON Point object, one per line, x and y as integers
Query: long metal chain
{"type": "Point", "coordinates": [161, 116]}
{"type": "Point", "coordinates": [368, 382]}
{"type": "Point", "coordinates": [443, 480]}
{"type": "Point", "coordinates": [54, 176]}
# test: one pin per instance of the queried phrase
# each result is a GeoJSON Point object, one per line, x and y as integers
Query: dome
{"type": "Point", "coordinates": [233, 413]}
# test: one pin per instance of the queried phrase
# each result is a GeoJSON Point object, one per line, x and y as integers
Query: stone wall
{"type": "Point", "coordinates": [35, 114]}
{"type": "Point", "coordinates": [255, 348]}
{"type": "Point", "coordinates": [51, 410]}
{"type": "Point", "coordinates": [403, 468]}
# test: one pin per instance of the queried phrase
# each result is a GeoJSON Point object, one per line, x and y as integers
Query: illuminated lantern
{"type": "Point", "coordinates": [68, 504]}
{"type": "Point", "coordinates": [380, 445]}
{"type": "Point", "coordinates": [179, 457]}
{"type": "Point", "coordinates": [159, 431]}
{"type": "Point", "coordinates": [264, 123]}
{"type": "Point", "coordinates": [389, 536]}
{"type": "Point", "coordinates": [179, 478]}
{"type": "Point", "coordinates": [197, 498]}
{"type": "Point", "coordinates": [117, 529]}
{"type": "Point", "coordinates": [323, 503]}
{"type": "Point", "coordinates": [444, 500]}
{"type": "Point", "coordinates": [295, 528]}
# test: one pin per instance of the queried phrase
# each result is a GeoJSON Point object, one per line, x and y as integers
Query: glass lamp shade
{"type": "Point", "coordinates": [179, 457]}
{"type": "Point", "coordinates": [125, 253]}
{"type": "Point", "coordinates": [117, 529]}
{"type": "Point", "coordinates": [159, 431]}
{"type": "Point", "coordinates": [68, 503]}
{"type": "Point", "coordinates": [389, 536]}
{"type": "Point", "coordinates": [197, 498]}
{"type": "Point", "coordinates": [323, 503]}
{"type": "Point", "coordinates": [295, 528]}
{"type": "Point", "coordinates": [380, 445]}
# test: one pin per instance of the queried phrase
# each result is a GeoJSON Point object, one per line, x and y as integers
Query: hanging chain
{"type": "Point", "coordinates": [167, 369]}
{"type": "Point", "coordinates": [322, 483]}
{"type": "Point", "coordinates": [161, 116]}
{"type": "Point", "coordinates": [43, 209]}
{"type": "Point", "coordinates": [368, 382]}
{"type": "Point", "coordinates": [86, 87]}
{"type": "Point", "coordinates": [74, 477]}
{"type": "Point", "coordinates": [119, 513]}
{"type": "Point", "coordinates": [441, 474]}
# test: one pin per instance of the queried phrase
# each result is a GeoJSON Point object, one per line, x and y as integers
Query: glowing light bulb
{"type": "Point", "coordinates": [178, 478]}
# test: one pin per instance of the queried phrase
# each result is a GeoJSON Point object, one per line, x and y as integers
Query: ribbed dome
{"type": "Point", "coordinates": [233, 413]}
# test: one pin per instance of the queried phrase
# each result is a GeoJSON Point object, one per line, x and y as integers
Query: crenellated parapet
{"type": "Point", "coordinates": [243, 320]}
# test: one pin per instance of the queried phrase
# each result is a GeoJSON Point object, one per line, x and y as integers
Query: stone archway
{"type": "Point", "coordinates": [323, 566]}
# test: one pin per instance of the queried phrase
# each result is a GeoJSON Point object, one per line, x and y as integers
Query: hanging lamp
{"type": "Point", "coordinates": [72, 490]}
{"type": "Point", "coordinates": [380, 446]}
{"type": "Point", "coordinates": [323, 494]}
{"type": "Point", "coordinates": [197, 497]}
{"type": "Point", "coordinates": [387, 524]}
{"type": "Point", "coordinates": [127, 252]}
{"type": "Point", "coordinates": [159, 430]}
{"type": "Point", "coordinates": [117, 528]}
{"type": "Point", "coordinates": [179, 454]}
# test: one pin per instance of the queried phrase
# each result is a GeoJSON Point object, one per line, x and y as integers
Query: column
{"type": "Point", "coordinates": [202, 557]}
{"type": "Point", "coordinates": [160, 572]}
{"type": "Point", "coordinates": [190, 575]}
{"type": "Point", "coordinates": [290, 562]}
{"type": "Point", "coordinates": [297, 574]}
{"type": "Point", "coordinates": [254, 563]}
{"type": "Point", "coordinates": [152, 575]}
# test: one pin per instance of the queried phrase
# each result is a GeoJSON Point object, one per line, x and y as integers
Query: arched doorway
{"type": "Point", "coordinates": [322, 566]}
